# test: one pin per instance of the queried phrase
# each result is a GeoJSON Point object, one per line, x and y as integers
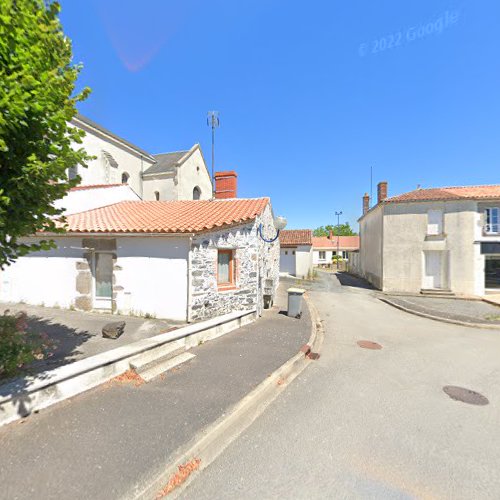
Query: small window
{"type": "Point", "coordinates": [196, 193]}
{"type": "Point", "coordinates": [125, 178]}
{"type": "Point", "coordinates": [434, 222]}
{"type": "Point", "coordinates": [492, 216]}
{"type": "Point", "coordinates": [322, 255]}
{"type": "Point", "coordinates": [72, 172]}
{"type": "Point", "coordinates": [286, 252]}
{"type": "Point", "coordinates": [157, 195]}
{"type": "Point", "coordinates": [293, 252]}
{"type": "Point", "coordinates": [225, 267]}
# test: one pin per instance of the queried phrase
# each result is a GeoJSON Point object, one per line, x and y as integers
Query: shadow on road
{"type": "Point", "coordinates": [347, 279]}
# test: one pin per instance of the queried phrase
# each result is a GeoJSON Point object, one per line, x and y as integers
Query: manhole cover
{"type": "Point", "coordinates": [368, 344]}
{"type": "Point", "coordinates": [465, 395]}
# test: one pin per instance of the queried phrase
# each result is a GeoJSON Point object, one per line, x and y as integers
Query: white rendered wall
{"type": "Point", "coordinates": [303, 261]}
{"type": "Point", "coordinates": [152, 275]}
{"type": "Point", "coordinates": [88, 199]}
{"type": "Point", "coordinates": [128, 160]}
{"type": "Point", "coordinates": [164, 184]}
{"type": "Point", "coordinates": [43, 278]}
{"type": "Point", "coordinates": [372, 235]}
{"type": "Point", "coordinates": [327, 260]}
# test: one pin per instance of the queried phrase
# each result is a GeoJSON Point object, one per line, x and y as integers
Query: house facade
{"type": "Point", "coordinates": [181, 260]}
{"type": "Point", "coordinates": [444, 239]}
{"type": "Point", "coordinates": [296, 257]}
{"type": "Point", "coordinates": [181, 175]}
{"type": "Point", "coordinates": [326, 247]}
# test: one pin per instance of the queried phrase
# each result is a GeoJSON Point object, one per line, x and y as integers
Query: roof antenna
{"type": "Point", "coordinates": [213, 121]}
{"type": "Point", "coordinates": [371, 185]}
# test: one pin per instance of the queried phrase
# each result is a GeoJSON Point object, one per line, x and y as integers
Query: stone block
{"type": "Point", "coordinates": [84, 303]}
{"type": "Point", "coordinates": [84, 282]}
{"type": "Point", "coordinates": [113, 330]}
{"type": "Point", "coordinates": [100, 243]}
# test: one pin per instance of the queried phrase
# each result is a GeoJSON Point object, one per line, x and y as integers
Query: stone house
{"type": "Point", "coordinates": [181, 175]}
{"type": "Point", "coordinates": [296, 257]}
{"type": "Point", "coordinates": [438, 240]}
{"type": "Point", "coordinates": [182, 260]}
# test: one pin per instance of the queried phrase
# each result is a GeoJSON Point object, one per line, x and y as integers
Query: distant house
{"type": "Point", "coordinates": [439, 240]}
{"type": "Point", "coordinates": [181, 175]}
{"type": "Point", "coordinates": [296, 256]}
{"type": "Point", "coordinates": [326, 247]}
{"type": "Point", "coordinates": [183, 260]}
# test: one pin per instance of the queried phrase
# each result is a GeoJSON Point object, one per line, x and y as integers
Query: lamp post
{"type": "Point", "coordinates": [338, 214]}
{"type": "Point", "coordinates": [279, 224]}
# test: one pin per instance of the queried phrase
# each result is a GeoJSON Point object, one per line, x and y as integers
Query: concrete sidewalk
{"type": "Point", "coordinates": [105, 443]}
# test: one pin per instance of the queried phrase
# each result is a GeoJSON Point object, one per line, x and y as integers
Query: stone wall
{"type": "Point", "coordinates": [256, 269]}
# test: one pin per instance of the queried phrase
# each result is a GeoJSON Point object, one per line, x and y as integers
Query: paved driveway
{"type": "Point", "coordinates": [373, 423]}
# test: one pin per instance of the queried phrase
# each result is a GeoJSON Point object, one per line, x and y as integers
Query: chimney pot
{"type": "Point", "coordinates": [226, 184]}
{"type": "Point", "coordinates": [366, 203]}
{"type": "Point", "coordinates": [381, 191]}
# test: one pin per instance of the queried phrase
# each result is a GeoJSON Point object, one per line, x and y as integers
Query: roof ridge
{"type": "Point", "coordinates": [172, 152]}
{"type": "Point", "coordinates": [450, 187]}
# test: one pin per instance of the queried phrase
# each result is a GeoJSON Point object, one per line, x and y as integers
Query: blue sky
{"type": "Point", "coordinates": [310, 94]}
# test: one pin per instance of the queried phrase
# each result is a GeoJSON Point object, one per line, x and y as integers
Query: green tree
{"type": "Point", "coordinates": [341, 230]}
{"type": "Point", "coordinates": [37, 83]}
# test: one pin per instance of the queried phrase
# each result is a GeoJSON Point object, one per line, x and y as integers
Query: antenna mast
{"type": "Point", "coordinates": [213, 122]}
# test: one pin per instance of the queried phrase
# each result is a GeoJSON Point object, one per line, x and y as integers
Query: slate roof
{"type": "Point", "coordinates": [166, 216]}
{"type": "Point", "coordinates": [449, 193]}
{"type": "Point", "coordinates": [165, 162]}
{"type": "Point", "coordinates": [345, 243]}
{"type": "Point", "coordinates": [91, 123]}
{"type": "Point", "coordinates": [294, 237]}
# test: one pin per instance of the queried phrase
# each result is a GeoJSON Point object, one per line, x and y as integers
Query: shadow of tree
{"type": "Point", "coordinates": [65, 350]}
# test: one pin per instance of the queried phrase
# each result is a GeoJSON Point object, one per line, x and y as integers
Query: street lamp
{"type": "Point", "coordinates": [338, 214]}
{"type": "Point", "coordinates": [279, 224]}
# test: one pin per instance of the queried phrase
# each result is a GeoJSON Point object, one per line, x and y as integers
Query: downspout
{"type": "Point", "coordinates": [189, 291]}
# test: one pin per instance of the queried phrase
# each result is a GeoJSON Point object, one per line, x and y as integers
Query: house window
{"type": "Point", "coordinates": [322, 255]}
{"type": "Point", "coordinates": [434, 222]}
{"type": "Point", "coordinates": [72, 172]}
{"type": "Point", "coordinates": [125, 178]}
{"type": "Point", "coordinates": [492, 216]}
{"type": "Point", "coordinates": [293, 252]}
{"type": "Point", "coordinates": [196, 193]}
{"type": "Point", "coordinates": [157, 195]}
{"type": "Point", "coordinates": [286, 252]}
{"type": "Point", "coordinates": [225, 268]}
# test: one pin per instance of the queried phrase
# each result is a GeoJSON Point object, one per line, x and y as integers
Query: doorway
{"type": "Point", "coordinates": [492, 272]}
{"type": "Point", "coordinates": [433, 270]}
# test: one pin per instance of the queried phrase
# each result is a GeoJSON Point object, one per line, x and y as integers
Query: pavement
{"type": "Point", "coordinates": [376, 424]}
{"type": "Point", "coordinates": [461, 310]}
{"type": "Point", "coordinates": [77, 335]}
{"type": "Point", "coordinates": [107, 442]}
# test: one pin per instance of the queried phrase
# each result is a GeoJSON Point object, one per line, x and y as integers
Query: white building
{"type": "Point", "coordinates": [325, 248]}
{"type": "Point", "coordinates": [182, 260]}
{"type": "Point", "coordinates": [181, 175]}
{"type": "Point", "coordinates": [296, 257]}
{"type": "Point", "coordinates": [442, 239]}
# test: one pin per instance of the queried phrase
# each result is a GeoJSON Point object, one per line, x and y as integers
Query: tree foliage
{"type": "Point", "coordinates": [341, 230]}
{"type": "Point", "coordinates": [37, 82]}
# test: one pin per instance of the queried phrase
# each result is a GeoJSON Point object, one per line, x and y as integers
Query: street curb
{"type": "Point", "coordinates": [484, 326]}
{"type": "Point", "coordinates": [209, 443]}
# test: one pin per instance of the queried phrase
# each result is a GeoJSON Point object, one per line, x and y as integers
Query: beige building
{"type": "Point", "coordinates": [443, 239]}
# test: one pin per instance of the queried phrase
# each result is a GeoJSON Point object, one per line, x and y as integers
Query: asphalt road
{"type": "Point", "coordinates": [363, 423]}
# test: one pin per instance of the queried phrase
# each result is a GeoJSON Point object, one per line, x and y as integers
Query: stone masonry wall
{"type": "Point", "coordinates": [256, 267]}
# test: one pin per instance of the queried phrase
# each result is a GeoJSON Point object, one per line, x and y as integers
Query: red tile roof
{"type": "Point", "coordinates": [345, 242]}
{"type": "Point", "coordinates": [294, 237]}
{"type": "Point", "coordinates": [95, 186]}
{"type": "Point", "coordinates": [165, 216]}
{"type": "Point", "coordinates": [449, 193]}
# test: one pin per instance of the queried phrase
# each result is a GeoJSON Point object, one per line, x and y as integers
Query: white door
{"type": "Point", "coordinates": [287, 260]}
{"type": "Point", "coordinates": [432, 270]}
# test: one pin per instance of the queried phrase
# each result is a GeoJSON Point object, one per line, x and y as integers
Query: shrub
{"type": "Point", "coordinates": [18, 346]}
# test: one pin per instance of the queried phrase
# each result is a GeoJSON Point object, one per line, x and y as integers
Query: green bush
{"type": "Point", "coordinates": [18, 346]}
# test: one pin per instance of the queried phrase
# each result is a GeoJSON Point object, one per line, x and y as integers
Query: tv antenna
{"type": "Point", "coordinates": [213, 122]}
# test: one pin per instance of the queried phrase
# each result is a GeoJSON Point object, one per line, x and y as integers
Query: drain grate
{"type": "Point", "coordinates": [368, 344]}
{"type": "Point", "coordinates": [465, 395]}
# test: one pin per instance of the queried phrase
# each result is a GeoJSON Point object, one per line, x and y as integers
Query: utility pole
{"type": "Point", "coordinates": [213, 121]}
{"type": "Point", "coordinates": [338, 214]}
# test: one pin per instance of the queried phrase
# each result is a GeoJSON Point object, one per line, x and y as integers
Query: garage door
{"type": "Point", "coordinates": [287, 260]}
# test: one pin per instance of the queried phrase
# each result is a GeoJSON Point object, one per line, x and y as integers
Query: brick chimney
{"type": "Point", "coordinates": [226, 184]}
{"type": "Point", "coordinates": [366, 203]}
{"type": "Point", "coordinates": [381, 191]}
{"type": "Point", "coordinates": [330, 236]}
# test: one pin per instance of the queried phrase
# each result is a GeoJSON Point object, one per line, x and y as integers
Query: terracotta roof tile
{"type": "Point", "coordinates": [449, 193]}
{"type": "Point", "coordinates": [294, 237]}
{"type": "Point", "coordinates": [345, 242]}
{"type": "Point", "coordinates": [165, 216]}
